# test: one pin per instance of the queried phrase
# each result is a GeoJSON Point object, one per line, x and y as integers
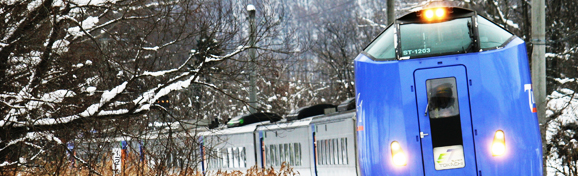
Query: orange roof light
{"type": "Point", "coordinates": [440, 12]}
{"type": "Point", "coordinates": [429, 14]}
{"type": "Point", "coordinates": [437, 14]}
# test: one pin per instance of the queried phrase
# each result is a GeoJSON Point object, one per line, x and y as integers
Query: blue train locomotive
{"type": "Point", "coordinates": [445, 91]}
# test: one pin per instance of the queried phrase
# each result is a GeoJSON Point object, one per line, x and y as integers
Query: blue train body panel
{"type": "Point", "coordinates": [494, 93]}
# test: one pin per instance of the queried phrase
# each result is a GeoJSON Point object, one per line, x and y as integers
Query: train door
{"type": "Point", "coordinates": [445, 121]}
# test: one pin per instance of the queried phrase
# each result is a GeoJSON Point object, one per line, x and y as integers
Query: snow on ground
{"type": "Point", "coordinates": [560, 100]}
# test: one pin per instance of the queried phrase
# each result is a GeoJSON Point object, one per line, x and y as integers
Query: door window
{"type": "Point", "coordinates": [445, 123]}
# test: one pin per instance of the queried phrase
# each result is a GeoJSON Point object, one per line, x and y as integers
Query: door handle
{"type": "Point", "coordinates": [426, 110]}
{"type": "Point", "coordinates": [422, 135]}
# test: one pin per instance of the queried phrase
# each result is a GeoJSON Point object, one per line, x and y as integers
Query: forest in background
{"type": "Point", "coordinates": [90, 72]}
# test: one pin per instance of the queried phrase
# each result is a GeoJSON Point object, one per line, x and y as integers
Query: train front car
{"type": "Point", "coordinates": [444, 91]}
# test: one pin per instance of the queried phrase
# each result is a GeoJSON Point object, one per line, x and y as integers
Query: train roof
{"type": "Point", "coordinates": [309, 111]}
{"type": "Point", "coordinates": [250, 128]}
{"type": "Point", "coordinates": [286, 124]}
{"type": "Point", "coordinates": [417, 16]}
{"type": "Point", "coordinates": [417, 34]}
{"type": "Point", "coordinates": [304, 116]}
{"type": "Point", "coordinates": [346, 105]}
{"type": "Point", "coordinates": [323, 118]}
{"type": "Point", "coordinates": [334, 117]}
{"type": "Point", "coordinates": [252, 118]}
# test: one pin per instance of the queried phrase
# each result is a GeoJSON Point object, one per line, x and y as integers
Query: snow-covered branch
{"type": "Point", "coordinates": [372, 23]}
{"type": "Point", "coordinates": [214, 58]}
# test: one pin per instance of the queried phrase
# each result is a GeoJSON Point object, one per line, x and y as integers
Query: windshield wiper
{"type": "Point", "coordinates": [472, 38]}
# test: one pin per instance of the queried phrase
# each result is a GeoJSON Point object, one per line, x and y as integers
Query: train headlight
{"type": "Point", "coordinates": [499, 143]}
{"type": "Point", "coordinates": [398, 156]}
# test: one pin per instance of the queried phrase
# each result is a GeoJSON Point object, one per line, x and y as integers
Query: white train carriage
{"type": "Point", "coordinates": [286, 142]}
{"type": "Point", "coordinates": [334, 136]}
{"type": "Point", "coordinates": [229, 149]}
{"type": "Point", "coordinates": [314, 141]}
{"type": "Point", "coordinates": [233, 148]}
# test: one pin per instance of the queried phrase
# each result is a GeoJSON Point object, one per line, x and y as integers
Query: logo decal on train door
{"type": "Point", "coordinates": [528, 88]}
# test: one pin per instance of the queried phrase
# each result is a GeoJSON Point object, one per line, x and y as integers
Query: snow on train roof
{"type": "Point", "coordinates": [289, 124]}
{"type": "Point", "coordinates": [309, 120]}
{"type": "Point", "coordinates": [339, 116]}
{"type": "Point", "coordinates": [280, 125]}
{"type": "Point", "coordinates": [242, 129]}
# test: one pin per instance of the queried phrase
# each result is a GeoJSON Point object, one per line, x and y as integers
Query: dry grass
{"type": "Point", "coordinates": [133, 169]}
{"type": "Point", "coordinates": [255, 171]}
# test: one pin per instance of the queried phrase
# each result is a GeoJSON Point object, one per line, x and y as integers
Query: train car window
{"type": "Point", "coordinates": [288, 154]}
{"type": "Point", "coordinates": [345, 151]}
{"type": "Point", "coordinates": [338, 149]}
{"type": "Point", "coordinates": [320, 148]}
{"type": "Point", "coordinates": [218, 161]}
{"type": "Point", "coordinates": [329, 152]}
{"type": "Point", "coordinates": [275, 158]}
{"type": "Point", "coordinates": [231, 160]}
{"type": "Point", "coordinates": [319, 153]}
{"type": "Point", "coordinates": [333, 152]}
{"type": "Point", "coordinates": [242, 156]}
{"type": "Point", "coordinates": [220, 158]}
{"type": "Point", "coordinates": [383, 47]}
{"type": "Point", "coordinates": [338, 152]}
{"type": "Point", "coordinates": [442, 98]}
{"type": "Point", "coordinates": [297, 147]}
{"type": "Point", "coordinates": [491, 35]}
{"type": "Point", "coordinates": [423, 39]}
{"type": "Point", "coordinates": [269, 154]}
{"type": "Point", "coordinates": [216, 158]}
{"type": "Point", "coordinates": [273, 155]}
{"type": "Point", "coordinates": [285, 152]}
{"type": "Point", "coordinates": [266, 156]}
{"type": "Point", "coordinates": [326, 152]}
{"type": "Point", "coordinates": [444, 114]}
{"type": "Point", "coordinates": [271, 160]}
{"type": "Point", "coordinates": [291, 155]}
{"type": "Point", "coordinates": [277, 155]}
{"type": "Point", "coordinates": [225, 158]}
{"type": "Point", "coordinates": [281, 154]}
{"type": "Point", "coordinates": [236, 157]}
{"type": "Point", "coordinates": [213, 159]}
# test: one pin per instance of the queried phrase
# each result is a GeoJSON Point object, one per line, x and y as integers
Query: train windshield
{"type": "Point", "coordinates": [491, 35]}
{"type": "Point", "coordinates": [426, 39]}
{"type": "Point", "coordinates": [384, 46]}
